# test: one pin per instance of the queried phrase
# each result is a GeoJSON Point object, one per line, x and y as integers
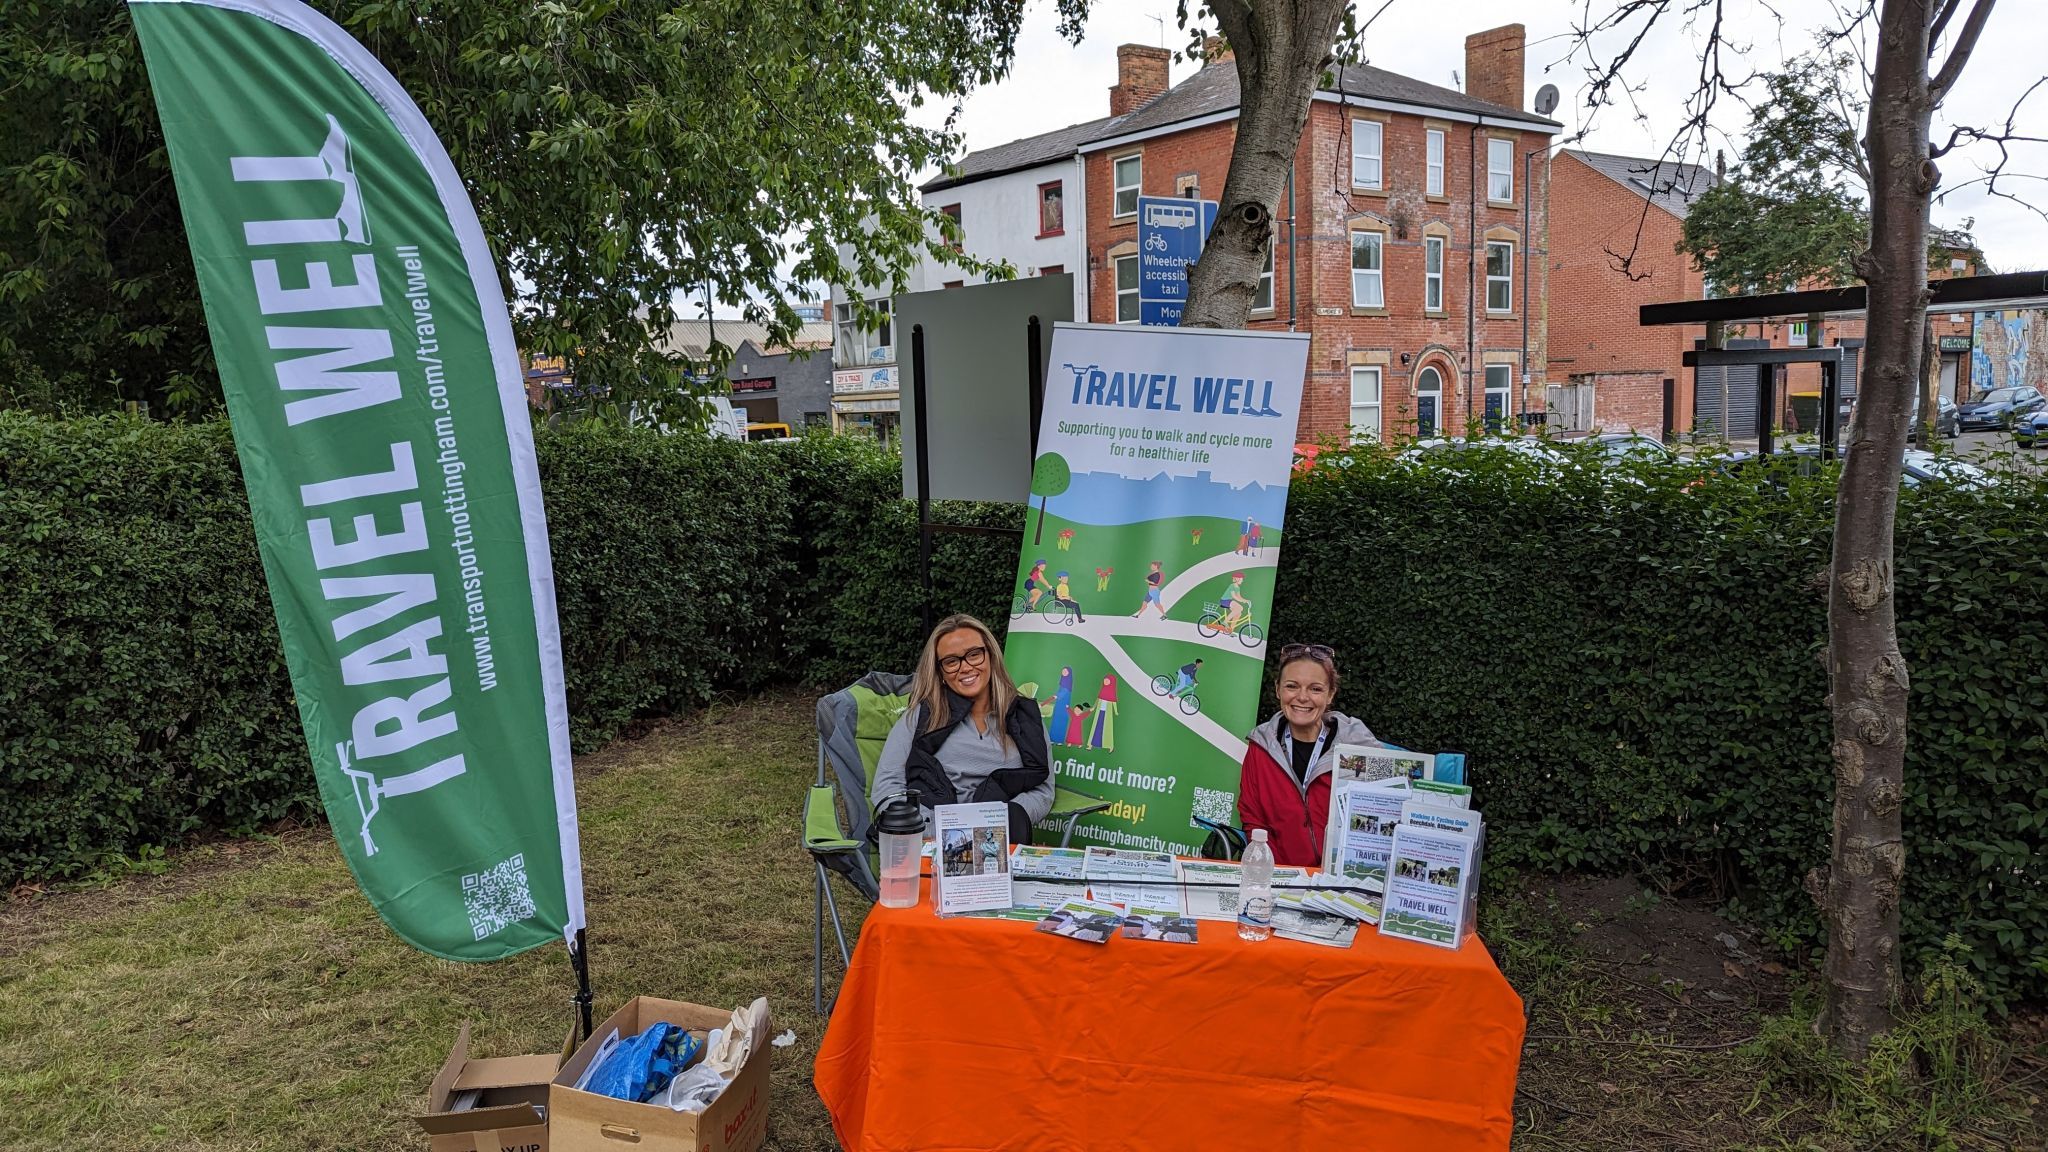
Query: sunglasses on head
{"type": "Point", "coordinates": [973, 658]}
{"type": "Point", "coordinates": [1312, 651]}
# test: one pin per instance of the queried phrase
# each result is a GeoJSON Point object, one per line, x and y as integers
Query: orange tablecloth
{"type": "Point", "coordinates": [968, 1033]}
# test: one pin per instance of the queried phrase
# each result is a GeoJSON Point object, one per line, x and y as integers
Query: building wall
{"type": "Point", "coordinates": [1326, 209]}
{"type": "Point", "coordinates": [1000, 220]}
{"type": "Point", "coordinates": [1593, 325]}
{"type": "Point", "coordinates": [803, 385]}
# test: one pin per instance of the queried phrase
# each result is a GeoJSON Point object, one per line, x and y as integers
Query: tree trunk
{"type": "Point", "coordinates": [1930, 387]}
{"type": "Point", "coordinates": [1281, 48]}
{"type": "Point", "coordinates": [1867, 674]}
{"type": "Point", "coordinates": [1038, 537]}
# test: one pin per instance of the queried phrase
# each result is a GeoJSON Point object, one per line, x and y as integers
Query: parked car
{"type": "Point", "coordinates": [2031, 429]}
{"type": "Point", "coordinates": [1996, 407]}
{"type": "Point", "coordinates": [1619, 446]}
{"type": "Point", "coordinates": [1947, 420]}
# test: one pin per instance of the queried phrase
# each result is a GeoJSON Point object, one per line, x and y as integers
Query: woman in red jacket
{"type": "Point", "coordinates": [1286, 779]}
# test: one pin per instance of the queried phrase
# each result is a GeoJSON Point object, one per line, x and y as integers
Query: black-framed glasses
{"type": "Point", "coordinates": [1312, 651]}
{"type": "Point", "coordinates": [974, 657]}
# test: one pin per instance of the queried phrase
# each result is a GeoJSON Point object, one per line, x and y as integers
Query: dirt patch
{"type": "Point", "coordinates": [1682, 949]}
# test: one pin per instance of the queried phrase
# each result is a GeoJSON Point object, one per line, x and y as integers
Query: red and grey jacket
{"type": "Point", "coordinates": [1292, 811]}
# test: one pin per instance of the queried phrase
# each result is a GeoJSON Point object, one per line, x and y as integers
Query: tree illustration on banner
{"type": "Point", "coordinates": [1049, 478]}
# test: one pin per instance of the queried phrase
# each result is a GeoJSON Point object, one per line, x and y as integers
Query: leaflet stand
{"type": "Point", "coordinates": [1034, 362]}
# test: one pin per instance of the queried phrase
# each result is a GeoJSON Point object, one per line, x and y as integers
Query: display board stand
{"type": "Point", "coordinates": [926, 527]}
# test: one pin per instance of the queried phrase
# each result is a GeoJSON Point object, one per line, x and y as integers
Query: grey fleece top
{"type": "Point", "coordinates": [968, 756]}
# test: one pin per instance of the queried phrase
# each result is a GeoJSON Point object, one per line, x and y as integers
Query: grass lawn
{"type": "Point", "coordinates": [246, 997]}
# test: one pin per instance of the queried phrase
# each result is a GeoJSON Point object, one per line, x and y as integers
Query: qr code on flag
{"type": "Point", "coordinates": [497, 897]}
{"type": "Point", "coordinates": [1213, 806]}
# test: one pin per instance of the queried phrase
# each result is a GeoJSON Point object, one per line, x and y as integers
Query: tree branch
{"type": "Point", "coordinates": [1958, 56]}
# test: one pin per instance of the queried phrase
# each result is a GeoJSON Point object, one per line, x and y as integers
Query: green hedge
{"type": "Point", "coordinates": [1634, 664]}
{"type": "Point", "coordinates": [1632, 661]}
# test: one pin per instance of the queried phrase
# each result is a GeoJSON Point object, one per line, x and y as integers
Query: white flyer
{"type": "Point", "coordinates": [1367, 763]}
{"type": "Point", "coordinates": [1209, 887]}
{"type": "Point", "coordinates": [973, 857]}
{"type": "Point", "coordinates": [1429, 885]}
{"type": "Point", "coordinates": [1043, 878]}
{"type": "Point", "coordinates": [1135, 879]}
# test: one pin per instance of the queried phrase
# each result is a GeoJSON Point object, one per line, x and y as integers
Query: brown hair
{"type": "Point", "coordinates": [1320, 655]}
{"type": "Point", "coordinates": [928, 685]}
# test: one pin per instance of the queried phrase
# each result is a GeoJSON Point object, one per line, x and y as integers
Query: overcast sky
{"type": "Point", "coordinates": [1055, 83]}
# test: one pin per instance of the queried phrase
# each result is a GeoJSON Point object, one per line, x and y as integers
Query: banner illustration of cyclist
{"type": "Point", "coordinates": [368, 363]}
{"type": "Point", "coordinates": [1179, 443]}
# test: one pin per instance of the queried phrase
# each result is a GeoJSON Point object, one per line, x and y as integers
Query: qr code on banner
{"type": "Point", "coordinates": [1213, 806]}
{"type": "Point", "coordinates": [497, 897]}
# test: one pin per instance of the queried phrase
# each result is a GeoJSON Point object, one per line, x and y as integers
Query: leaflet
{"type": "Point", "coordinates": [1293, 920]}
{"type": "Point", "coordinates": [973, 872]}
{"type": "Point", "coordinates": [1429, 886]}
{"type": "Point", "coordinates": [1166, 929]}
{"type": "Point", "coordinates": [1084, 920]}
{"type": "Point", "coordinates": [1425, 812]}
{"type": "Point", "coordinates": [1446, 795]}
{"type": "Point", "coordinates": [1366, 762]}
{"type": "Point", "coordinates": [1134, 878]}
{"type": "Point", "coordinates": [1043, 878]}
{"type": "Point", "coordinates": [1361, 831]}
{"type": "Point", "coordinates": [1209, 887]}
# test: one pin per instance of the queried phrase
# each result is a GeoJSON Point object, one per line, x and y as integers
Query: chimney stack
{"type": "Point", "coordinates": [1216, 51]}
{"type": "Point", "coordinates": [1141, 74]}
{"type": "Point", "coordinates": [1493, 65]}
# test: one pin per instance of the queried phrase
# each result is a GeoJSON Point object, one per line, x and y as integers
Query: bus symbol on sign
{"type": "Point", "coordinates": [1176, 214]}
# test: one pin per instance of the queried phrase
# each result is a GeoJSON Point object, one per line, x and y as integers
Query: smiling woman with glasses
{"type": "Point", "coordinates": [1285, 784]}
{"type": "Point", "coordinates": [968, 737]}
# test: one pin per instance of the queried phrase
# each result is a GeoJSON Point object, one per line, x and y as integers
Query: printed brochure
{"type": "Point", "coordinates": [973, 858]}
{"type": "Point", "coordinates": [1295, 919]}
{"type": "Point", "coordinates": [1360, 833]}
{"type": "Point", "coordinates": [1366, 763]}
{"type": "Point", "coordinates": [1084, 920]}
{"type": "Point", "coordinates": [1430, 886]}
{"type": "Point", "coordinates": [1209, 887]}
{"type": "Point", "coordinates": [1043, 878]}
{"type": "Point", "coordinates": [1134, 878]}
{"type": "Point", "coordinates": [1162, 927]}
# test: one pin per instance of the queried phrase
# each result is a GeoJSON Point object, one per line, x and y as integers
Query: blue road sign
{"type": "Point", "coordinates": [1171, 232]}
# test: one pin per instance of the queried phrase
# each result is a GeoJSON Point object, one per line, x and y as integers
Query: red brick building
{"type": "Point", "coordinates": [1410, 245]}
{"type": "Point", "coordinates": [1607, 208]}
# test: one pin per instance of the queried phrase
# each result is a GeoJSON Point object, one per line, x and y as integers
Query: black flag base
{"type": "Point", "coordinates": [579, 956]}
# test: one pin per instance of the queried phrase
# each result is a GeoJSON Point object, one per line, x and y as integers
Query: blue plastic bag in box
{"type": "Point", "coordinates": [640, 1068]}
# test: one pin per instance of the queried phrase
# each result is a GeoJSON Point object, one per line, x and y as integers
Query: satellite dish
{"type": "Point", "coordinates": [1546, 100]}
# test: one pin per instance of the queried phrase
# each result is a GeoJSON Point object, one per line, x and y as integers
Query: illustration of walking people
{"type": "Point", "coordinates": [1155, 582]}
{"type": "Point", "coordinates": [1077, 725]}
{"type": "Point", "coordinates": [1061, 700]}
{"type": "Point", "coordinates": [1102, 733]}
{"type": "Point", "coordinates": [1244, 536]}
{"type": "Point", "coordinates": [1258, 531]}
{"type": "Point", "coordinates": [1063, 595]}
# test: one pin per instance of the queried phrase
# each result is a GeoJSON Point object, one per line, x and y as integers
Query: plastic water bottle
{"type": "Point", "coordinates": [1255, 890]}
{"type": "Point", "coordinates": [901, 828]}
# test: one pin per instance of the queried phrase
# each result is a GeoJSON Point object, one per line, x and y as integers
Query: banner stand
{"type": "Point", "coordinates": [579, 958]}
{"type": "Point", "coordinates": [1035, 363]}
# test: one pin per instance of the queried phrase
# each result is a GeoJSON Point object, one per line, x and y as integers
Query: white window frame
{"type": "Point", "coordinates": [855, 346]}
{"type": "Point", "coordinates": [1433, 282]}
{"type": "Point", "coordinates": [1507, 392]}
{"type": "Point", "coordinates": [1378, 405]}
{"type": "Point", "coordinates": [1437, 428]}
{"type": "Point", "coordinates": [1135, 187]}
{"type": "Point", "coordinates": [1503, 151]}
{"type": "Point", "coordinates": [1433, 184]}
{"type": "Point", "coordinates": [1371, 132]}
{"type": "Point", "coordinates": [1265, 287]}
{"type": "Point", "coordinates": [1116, 266]}
{"type": "Point", "coordinates": [1506, 280]}
{"type": "Point", "coordinates": [1376, 275]}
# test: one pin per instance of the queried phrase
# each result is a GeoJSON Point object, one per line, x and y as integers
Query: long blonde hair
{"type": "Point", "coordinates": [928, 686]}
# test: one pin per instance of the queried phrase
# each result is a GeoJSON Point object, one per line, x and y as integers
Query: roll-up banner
{"type": "Point", "coordinates": [1146, 582]}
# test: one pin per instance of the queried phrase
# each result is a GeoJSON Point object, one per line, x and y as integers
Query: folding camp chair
{"type": "Point", "coordinates": [1068, 806]}
{"type": "Point", "coordinates": [853, 723]}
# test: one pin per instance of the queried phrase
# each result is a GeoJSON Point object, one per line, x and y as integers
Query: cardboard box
{"type": "Point", "coordinates": [508, 1116]}
{"type": "Point", "coordinates": [586, 1122]}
